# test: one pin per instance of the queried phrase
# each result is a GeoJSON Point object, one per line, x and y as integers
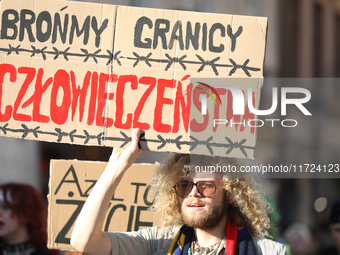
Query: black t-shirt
{"type": "Point", "coordinates": [27, 248]}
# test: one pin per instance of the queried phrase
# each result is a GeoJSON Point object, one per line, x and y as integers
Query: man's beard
{"type": "Point", "coordinates": [208, 219]}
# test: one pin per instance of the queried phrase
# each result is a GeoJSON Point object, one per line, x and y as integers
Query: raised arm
{"type": "Point", "coordinates": [87, 235]}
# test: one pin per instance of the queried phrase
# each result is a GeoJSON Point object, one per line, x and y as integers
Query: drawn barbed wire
{"type": "Point", "coordinates": [59, 135]}
{"type": "Point", "coordinates": [110, 56]}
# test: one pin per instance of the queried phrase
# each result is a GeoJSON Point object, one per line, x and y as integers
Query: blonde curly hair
{"type": "Point", "coordinates": [249, 208]}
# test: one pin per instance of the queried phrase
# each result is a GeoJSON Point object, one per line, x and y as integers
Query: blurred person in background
{"type": "Point", "coordinates": [299, 239]}
{"type": "Point", "coordinates": [23, 221]}
{"type": "Point", "coordinates": [334, 225]}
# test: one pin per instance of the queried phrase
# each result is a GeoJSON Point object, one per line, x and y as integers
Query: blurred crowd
{"type": "Point", "coordinates": [309, 240]}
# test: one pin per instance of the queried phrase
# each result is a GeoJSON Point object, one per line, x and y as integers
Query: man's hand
{"type": "Point", "coordinates": [125, 157]}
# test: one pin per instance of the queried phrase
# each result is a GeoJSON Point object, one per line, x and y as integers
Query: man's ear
{"type": "Point", "coordinates": [230, 200]}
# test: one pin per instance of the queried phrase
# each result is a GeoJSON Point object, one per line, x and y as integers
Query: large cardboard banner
{"type": "Point", "coordinates": [72, 181]}
{"type": "Point", "coordinates": [88, 73]}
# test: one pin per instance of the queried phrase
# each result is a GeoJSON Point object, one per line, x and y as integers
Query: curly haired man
{"type": "Point", "coordinates": [212, 214]}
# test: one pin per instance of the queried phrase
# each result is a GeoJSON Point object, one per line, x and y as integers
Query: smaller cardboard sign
{"type": "Point", "coordinates": [71, 183]}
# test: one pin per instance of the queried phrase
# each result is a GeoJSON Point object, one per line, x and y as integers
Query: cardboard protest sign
{"type": "Point", "coordinates": [88, 73]}
{"type": "Point", "coordinates": [71, 183]}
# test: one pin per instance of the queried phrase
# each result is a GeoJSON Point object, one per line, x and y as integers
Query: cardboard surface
{"type": "Point", "coordinates": [70, 184]}
{"type": "Point", "coordinates": [86, 73]}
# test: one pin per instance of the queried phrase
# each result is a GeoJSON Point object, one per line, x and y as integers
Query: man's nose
{"type": "Point", "coordinates": [194, 192]}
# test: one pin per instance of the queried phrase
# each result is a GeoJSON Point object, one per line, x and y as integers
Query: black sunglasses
{"type": "Point", "coordinates": [205, 188]}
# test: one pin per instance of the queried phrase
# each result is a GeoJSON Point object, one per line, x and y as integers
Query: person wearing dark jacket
{"type": "Point", "coordinates": [334, 225]}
